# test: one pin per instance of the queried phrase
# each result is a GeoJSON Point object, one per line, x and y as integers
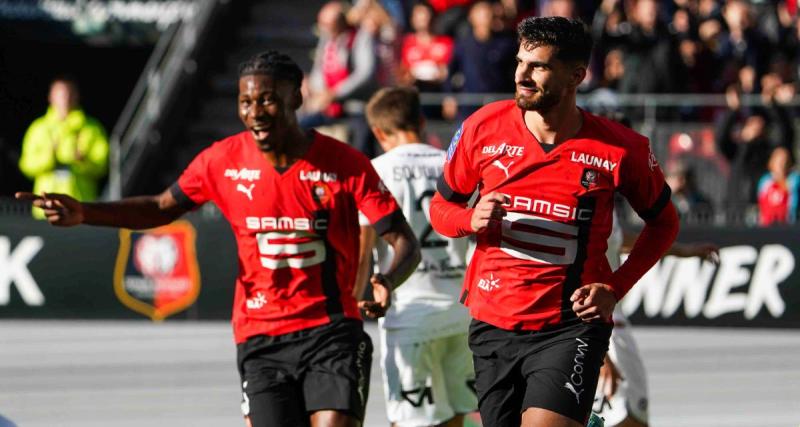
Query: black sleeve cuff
{"type": "Point", "coordinates": [659, 205]}
{"type": "Point", "coordinates": [183, 200]}
{"type": "Point", "coordinates": [449, 194]}
{"type": "Point", "coordinates": [389, 222]}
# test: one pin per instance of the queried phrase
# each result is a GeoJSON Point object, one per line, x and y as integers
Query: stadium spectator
{"type": "Point", "coordinates": [690, 203]}
{"type": "Point", "coordinates": [66, 150]}
{"type": "Point", "coordinates": [779, 190]}
{"type": "Point", "coordinates": [424, 55]}
{"type": "Point", "coordinates": [539, 287]}
{"type": "Point", "coordinates": [419, 359]}
{"type": "Point", "coordinates": [650, 50]}
{"type": "Point", "coordinates": [482, 62]}
{"type": "Point", "coordinates": [342, 76]}
{"type": "Point", "coordinates": [292, 198]}
{"type": "Point", "coordinates": [739, 42]}
{"type": "Point", "coordinates": [746, 136]}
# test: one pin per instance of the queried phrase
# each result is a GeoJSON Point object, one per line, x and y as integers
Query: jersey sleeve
{"type": "Point", "coordinates": [460, 177]}
{"type": "Point", "coordinates": [373, 200]}
{"type": "Point", "coordinates": [642, 182]}
{"type": "Point", "coordinates": [191, 188]}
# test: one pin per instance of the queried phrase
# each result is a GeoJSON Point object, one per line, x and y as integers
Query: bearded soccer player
{"type": "Point", "coordinates": [539, 287]}
{"type": "Point", "coordinates": [292, 199]}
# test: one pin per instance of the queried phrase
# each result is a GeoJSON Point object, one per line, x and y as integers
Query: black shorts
{"type": "Point", "coordinates": [287, 377]}
{"type": "Point", "coordinates": [555, 370]}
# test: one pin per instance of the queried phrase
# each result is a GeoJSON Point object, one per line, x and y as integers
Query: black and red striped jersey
{"type": "Point", "coordinates": [560, 206]}
{"type": "Point", "coordinates": [297, 231]}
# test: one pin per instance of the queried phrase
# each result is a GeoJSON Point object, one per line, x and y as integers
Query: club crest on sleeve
{"type": "Point", "coordinates": [454, 142]}
{"type": "Point", "coordinates": [589, 178]}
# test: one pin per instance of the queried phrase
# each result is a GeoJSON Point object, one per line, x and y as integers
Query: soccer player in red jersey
{"type": "Point", "coordinates": [292, 199]}
{"type": "Point", "coordinates": [539, 287]}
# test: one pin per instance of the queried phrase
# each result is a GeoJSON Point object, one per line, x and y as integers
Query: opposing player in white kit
{"type": "Point", "coordinates": [427, 366]}
{"type": "Point", "coordinates": [621, 398]}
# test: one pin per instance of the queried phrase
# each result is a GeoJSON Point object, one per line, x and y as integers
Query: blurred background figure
{"type": "Point", "coordinates": [483, 61]}
{"type": "Point", "coordinates": [342, 76]}
{"type": "Point", "coordinates": [424, 54]}
{"type": "Point", "coordinates": [690, 203]}
{"type": "Point", "coordinates": [778, 190]}
{"type": "Point", "coordinates": [746, 136]}
{"type": "Point", "coordinates": [65, 151]}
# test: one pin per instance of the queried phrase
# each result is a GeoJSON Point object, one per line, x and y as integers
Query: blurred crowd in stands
{"type": "Point", "coordinates": [741, 156]}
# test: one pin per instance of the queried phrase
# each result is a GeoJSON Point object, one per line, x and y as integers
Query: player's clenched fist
{"type": "Point", "coordinates": [59, 209]}
{"type": "Point", "coordinates": [592, 302]}
{"type": "Point", "coordinates": [489, 208]}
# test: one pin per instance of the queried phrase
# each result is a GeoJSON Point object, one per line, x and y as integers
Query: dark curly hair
{"type": "Point", "coordinates": [275, 64]}
{"type": "Point", "coordinates": [570, 37]}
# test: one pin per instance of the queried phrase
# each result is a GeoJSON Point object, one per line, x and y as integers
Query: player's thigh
{"type": "Point", "coordinates": [337, 369]}
{"type": "Point", "coordinates": [413, 383]}
{"type": "Point", "coordinates": [562, 375]}
{"type": "Point", "coordinates": [498, 381]}
{"type": "Point", "coordinates": [455, 361]}
{"type": "Point", "coordinates": [272, 398]}
{"type": "Point", "coordinates": [326, 418]}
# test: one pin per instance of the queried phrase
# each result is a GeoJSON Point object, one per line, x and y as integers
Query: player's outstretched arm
{"type": "Point", "coordinates": [406, 258]}
{"type": "Point", "coordinates": [132, 212]}
{"type": "Point", "coordinates": [704, 250]}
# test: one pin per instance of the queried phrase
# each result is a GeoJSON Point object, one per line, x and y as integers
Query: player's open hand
{"type": "Point", "coordinates": [489, 208]}
{"type": "Point", "coordinates": [59, 209]}
{"type": "Point", "coordinates": [594, 301]}
{"type": "Point", "coordinates": [381, 293]}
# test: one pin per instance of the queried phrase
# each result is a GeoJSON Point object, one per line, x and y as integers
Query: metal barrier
{"type": "Point", "coordinates": [137, 130]}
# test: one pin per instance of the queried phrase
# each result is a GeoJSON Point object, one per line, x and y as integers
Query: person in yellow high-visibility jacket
{"type": "Point", "coordinates": [65, 151]}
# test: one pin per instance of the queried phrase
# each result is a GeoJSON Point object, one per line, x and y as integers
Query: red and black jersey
{"type": "Point", "coordinates": [296, 231]}
{"type": "Point", "coordinates": [559, 204]}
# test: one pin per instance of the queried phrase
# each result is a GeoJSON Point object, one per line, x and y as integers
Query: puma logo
{"type": "Point", "coordinates": [246, 190]}
{"type": "Point", "coordinates": [577, 393]}
{"type": "Point", "coordinates": [503, 167]}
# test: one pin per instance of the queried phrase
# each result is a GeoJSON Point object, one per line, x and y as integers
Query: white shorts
{"type": "Point", "coordinates": [429, 382]}
{"type": "Point", "coordinates": [631, 396]}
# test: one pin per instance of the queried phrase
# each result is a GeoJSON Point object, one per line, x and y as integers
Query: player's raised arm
{"type": "Point", "coordinates": [132, 212]}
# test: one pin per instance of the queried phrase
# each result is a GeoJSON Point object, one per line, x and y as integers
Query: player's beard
{"type": "Point", "coordinates": [541, 101]}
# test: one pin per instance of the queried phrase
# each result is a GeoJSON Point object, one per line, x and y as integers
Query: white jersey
{"type": "Point", "coordinates": [426, 305]}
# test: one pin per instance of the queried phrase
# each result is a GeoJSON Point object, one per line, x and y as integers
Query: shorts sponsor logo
{"type": "Point", "coordinates": [592, 160]}
{"type": "Point", "coordinates": [361, 366]}
{"type": "Point", "coordinates": [156, 272]}
{"type": "Point", "coordinates": [454, 142]}
{"type": "Point", "coordinates": [243, 174]}
{"type": "Point", "coordinates": [489, 284]}
{"type": "Point", "coordinates": [504, 149]}
{"type": "Point", "coordinates": [417, 396]}
{"type": "Point", "coordinates": [245, 400]}
{"type": "Point", "coordinates": [575, 383]}
{"type": "Point", "coordinates": [14, 269]}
